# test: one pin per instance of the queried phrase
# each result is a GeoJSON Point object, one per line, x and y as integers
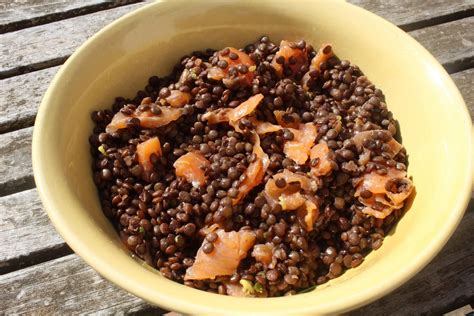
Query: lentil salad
{"type": "Point", "coordinates": [258, 172]}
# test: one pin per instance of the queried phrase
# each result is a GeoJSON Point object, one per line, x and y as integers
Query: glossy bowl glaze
{"type": "Point", "coordinates": [435, 126]}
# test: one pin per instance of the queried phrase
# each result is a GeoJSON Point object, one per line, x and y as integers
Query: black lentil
{"type": "Point", "coordinates": [161, 217]}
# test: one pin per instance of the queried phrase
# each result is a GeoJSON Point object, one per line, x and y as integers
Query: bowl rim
{"type": "Point", "coordinates": [111, 273]}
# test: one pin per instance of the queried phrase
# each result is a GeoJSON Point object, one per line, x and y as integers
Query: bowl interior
{"type": "Point", "coordinates": [118, 60]}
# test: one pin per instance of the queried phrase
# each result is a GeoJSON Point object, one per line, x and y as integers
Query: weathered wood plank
{"type": "Point", "coordinates": [16, 151]}
{"type": "Point", "coordinates": [452, 44]}
{"type": "Point", "coordinates": [21, 106]}
{"type": "Point", "coordinates": [49, 45]}
{"type": "Point", "coordinates": [16, 172]}
{"type": "Point", "coordinates": [18, 105]}
{"type": "Point", "coordinates": [17, 14]}
{"type": "Point", "coordinates": [414, 14]}
{"type": "Point", "coordinates": [406, 13]}
{"type": "Point", "coordinates": [31, 49]}
{"type": "Point", "coordinates": [64, 286]}
{"type": "Point", "coordinates": [20, 97]}
{"type": "Point", "coordinates": [465, 82]}
{"type": "Point", "coordinates": [27, 235]}
{"type": "Point", "coordinates": [30, 302]}
{"type": "Point", "coordinates": [445, 284]}
{"type": "Point", "coordinates": [68, 285]}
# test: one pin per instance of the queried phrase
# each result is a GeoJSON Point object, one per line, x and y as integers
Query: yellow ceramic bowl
{"type": "Point", "coordinates": [118, 60]}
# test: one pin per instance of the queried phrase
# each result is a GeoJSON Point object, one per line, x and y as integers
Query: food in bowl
{"type": "Point", "coordinates": [262, 171]}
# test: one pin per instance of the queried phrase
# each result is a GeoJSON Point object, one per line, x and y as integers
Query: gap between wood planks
{"type": "Point", "coordinates": [57, 16]}
{"type": "Point", "coordinates": [26, 62]}
{"type": "Point", "coordinates": [449, 43]}
{"type": "Point", "coordinates": [16, 148]}
{"type": "Point", "coordinates": [34, 258]}
{"type": "Point", "coordinates": [16, 173]}
{"type": "Point", "coordinates": [27, 234]}
{"type": "Point", "coordinates": [44, 46]}
{"type": "Point", "coordinates": [20, 70]}
{"type": "Point", "coordinates": [19, 178]}
{"type": "Point", "coordinates": [25, 181]}
{"type": "Point", "coordinates": [68, 285]}
{"type": "Point", "coordinates": [435, 20]}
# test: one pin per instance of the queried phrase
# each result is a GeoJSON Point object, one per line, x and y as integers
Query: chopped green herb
{"type": "Point", "coordinates": [282, 202]}
{"type": "Point", "coordinates": [193, 75]}
{"type": "Point", "coordinates": [252, 68]}
{"type": "Point", "coordinates": [247, 286]}
{"type": "Point", "coordinates": [141, 230]}
{"type": "Point", "coordinates": [258, 288]}
{"type": "Point", "coordinates": [102, 150]}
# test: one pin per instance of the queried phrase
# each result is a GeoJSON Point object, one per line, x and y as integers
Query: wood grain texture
{"type": "Point", "coordinates": [465, 82]}
{"type": "Point", "coordinates": [445, 284]}
{"type": "Point", "coordinates": [18, 107]}
{"type": "Point", "coordinates": [30, 49]}
{"type": "Point", "coordinates": [20, 97]}
{"type": "Point", "coordinates": [17, 14]}
{"type": "Point", "coordinates": [452, 44]}
{"type": "Point", "coordinates": [49, 45]}
{"type": "Point", "coordinates": [414, 14]}
{"type": "Point", "coordinates": [64, 286]}
{"type": "Point", "coordinates": [15, 147]}
{"type": "Point", "coordinates": [16, 172]}
{"type": "Point", "coordinates": [27, 235]}
{"type": "Point", "coordinates": [67, 285]}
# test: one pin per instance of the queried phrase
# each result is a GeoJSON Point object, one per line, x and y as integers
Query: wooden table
{"type": "Point", "coordinates": [40, 274]}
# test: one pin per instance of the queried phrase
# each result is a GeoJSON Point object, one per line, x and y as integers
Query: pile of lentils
{"type": "Point", "coordinates": [159, 220]}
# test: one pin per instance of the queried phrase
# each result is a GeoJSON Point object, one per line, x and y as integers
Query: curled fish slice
{"type": "Point", "coordinates": [263, 253]}
{"type": "Point", "coordinates": [233, 115]}
{"type": "Point", "coordinates": [299, 148]}
{"type": "Point", "coordinates": [386, 211]}
{"type": "Point", "coordinates": [324, 53]}
{"type": "Point", "coordinates": [320, 156]}
{"type": "Point", "coordinates": [225, 74]}
{"type": "Point", "coordinates": [147, 118]}
{"type": "Point", "coordinates": [255, 171]}
{"type": "Point", "coordinates": [293, 57]}
{"type": "Point", "coordinates": [384, 135]}
{"type": "Point", "coordinates": [375, 183]}
{"type": "Point", "coordinates": [402, 189]}
{"type": "Point", "coordinates": [229, 249]}
{"type": "Point", "coordinates": [308, 213]}
{"type": "Point", "coordinates": [191, 166]}
{"type": "Point", "coordinates": [297, 195]}
{"type": "Point", "coordinates": [289, 196]}
{"type": "Point", "coordinates": [178, 99]}
{"type": "Point", "coordinates": [263, 128]}
{"type": "Point", "coordinates": [285, 119]}
{"type": "Point", "coordinates": [145, 150]}
{"type": "Point", "coordinates": [388, 192]}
